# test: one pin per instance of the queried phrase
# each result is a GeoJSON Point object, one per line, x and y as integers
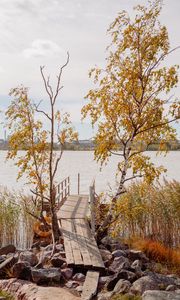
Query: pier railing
{"type": "Point", "coordinates": [92, 206]}
{"type": "Point", "coordinates": [62, 191]}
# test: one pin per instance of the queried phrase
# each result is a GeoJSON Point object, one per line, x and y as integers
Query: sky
{"type": "Point", "coordinates": [40, 32]}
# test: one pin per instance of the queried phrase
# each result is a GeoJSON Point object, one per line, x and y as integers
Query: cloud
{"type": "Point", "coordinates": [42, 47]}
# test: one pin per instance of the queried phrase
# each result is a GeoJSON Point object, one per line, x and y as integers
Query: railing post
{"type": "Point", "coordinates": [78, 183]}
{"type": "Point", "coordinates": [92, 207]}
{"type": "Point", "coordinates": [68, 185]}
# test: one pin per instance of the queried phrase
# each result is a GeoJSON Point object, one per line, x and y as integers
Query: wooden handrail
{"type": "Point", "coordinates": [92, 206]}
{"type": "Point", "coordinates": [62, 191]}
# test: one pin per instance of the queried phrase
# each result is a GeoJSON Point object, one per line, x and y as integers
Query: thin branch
{"type": "Point", "coordinates": [41, 111]}
{"type": "Point", "coordinates": [115, 153]}
{"type": "Point", "coordinates": [39, 195]}
{"type": "Point", "coordinates": [57, 162]}
{"type": "Point", "coordinates": [157, 125]}
{"type": "Point", "coordinates": [45, 83]}
{"type": "Point", "coordinates": [58, 88]}
{"type": "Point", "coordinates": [133, 177]}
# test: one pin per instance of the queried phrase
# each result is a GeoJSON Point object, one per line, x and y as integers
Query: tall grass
{"type": "Point", "coordinates": [150, 212]}
{"type": "Point", "coordinates": [15, 223]}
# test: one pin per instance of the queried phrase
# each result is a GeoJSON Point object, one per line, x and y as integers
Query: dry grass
{"type": "Point", "coordinates": [15, 223]}
{"type": "Point", "coordinates": [150, 212]}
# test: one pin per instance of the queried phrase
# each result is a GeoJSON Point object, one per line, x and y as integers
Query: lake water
{"type": "Point", "coordinates": [74, 162]}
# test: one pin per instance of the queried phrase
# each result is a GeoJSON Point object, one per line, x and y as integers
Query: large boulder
{"type": "Point", "coordinates": [160, 295]}
{"type": "Point", "coordinates": [118, 253]}
{"type": "Point", "coordinates": [123, 274]}
{"type": "Point", "coordinates": [113, 244]}
{"type": "Point", "coordinates": [57, 260]}
{"type": "Point", "coordinates": [46, 275]}
{"type": "Point", "coordinates": [135, 254]}
{"type": "Point", "coordinates": [119, 263]}
{"type": "Point", "coordinates": [143, 284]}
{"type": "Point", "coordinates": [67, 273]}
{"type": "Point", "coordinates": [22, 270]}
{"type": "Point", "coordinates": [26, 290]}
{"type": "Point", "coordinates": [122, 286]}
{"type": "Point", "coordinates": [7, 249]}
{"type": "Point", "coordinates": [106, 255]}
{"type": "Point", "coordinates": [29, 257]}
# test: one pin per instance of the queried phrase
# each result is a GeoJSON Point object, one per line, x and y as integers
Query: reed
{"type": "Point", "coordinates": [150, 212]}
{"type": "Point", "coordinates": [15, 223]}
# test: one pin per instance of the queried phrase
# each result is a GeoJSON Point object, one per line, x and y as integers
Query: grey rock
{"type": "Point", "coordinates": [105, 296]}
{"type": "Point", "coordinates": [57, 261]}
{"type": "Point", "coordinates": [22, 270]}
{"type": "Point", "coordinates": [160, 295]}
{"type": "Point", "coordinates": [2, 258]}
{"type": "Point", "coordinates": [104, 279]}
{"type": "Point", "coordinates": [118, 253]}
{"type": "Point", "coordinates": [171, 287]}
{"type": "Point", "coordinates": [79, 288]}
{"type": "Point", "coordinates": [106, 255]}
{"type": "Point", "coordinates": [67, 273]}
{"type": "Point", "coordinates": [29, 257]}
{"type": "Point", "coordinates": [7, 249]}
{"type": "Point", "coordinates": [119, 263]}
{"type": "Point", "coordinates": [46, 275]}
{"type": "Point", "coordinates": [144, 283]}
{"type": "Point", "coordinates": [123, 274]}
{"type": "Point", "coordinates": [71, 284]}
{"type": "Point", "coordinates": [59, 248]}
{"type": "Point", "coordinates": [137, 255]}
{"type": "Point", "coordinates": [122, 286]}
{"type": "Point", "coordinates": [3, 298]}
{"type": "Point", "coordinates": [79, 277]}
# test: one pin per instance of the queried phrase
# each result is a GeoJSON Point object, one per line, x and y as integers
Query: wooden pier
{"type": "Point", "coordinates": [80, 245]}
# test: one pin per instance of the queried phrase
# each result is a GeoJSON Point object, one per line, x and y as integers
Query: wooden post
{"type": "Point", "coordinates": [68, 185]}
{"type": "Point", "coordinates": [92, 206]}
{"type": "Point", "coordinates": [78, 183]}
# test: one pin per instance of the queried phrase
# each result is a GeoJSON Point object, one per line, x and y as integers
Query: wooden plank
{"type": "Point", "coordinates": [90, 285]}
{"type": "Point", "coordinates": [82, 243]}
{"type": "Point", "coordinates": [96, 258]}
{"type": "Point", "coordinates": [76, 209]}
{"type": "Point", "coordinates": [75, 245]}
{"type": "Point", "coordinates": [67, 243]}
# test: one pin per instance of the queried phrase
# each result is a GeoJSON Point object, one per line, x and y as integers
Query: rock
{"type": "Point", "coordinates": [79, 277]}
{"type": "Point", "coordinates": [49, 248]}
{"type": "Point", "coordinates": [113, 244]}
{"type": "Point", "coordinates": [105, 296]}
{"type": "Point", "coordinates": [71, 284]}
{"type": "Point", "coordinates": [46, 275]}
{"type": "Point", "coordinates": [7, 249]}
{"type": "Point", "coordinates": [59, 248]}
{"type": "Point", "coordinates": [67, 273]}
{"type": "Point", "coordinates": [22, 270]}
{"type": "Point", "coordinates": [123, 274]}
{"type": "Point", "coordinates": [29, 257]}
{"type": "Point", "coordinates": [2, 258]}
{"type": "Point", "coordinates": [57, 261]}
{"type": "Point", "coordinates": [160, 295]}
{"type": "Point", "coordinates": [79, 288]}
{"type": "Point", "coordinates": [3, 298]}
{"type": "Point", "coordinates": [122, 286]}
{"type": "Point", "coordinates": [104, 279]}
{"type": "Point", "coordinates": [118, 253]}
{"type": "Point", "coordinates": [25, 290]}
{"type": "Point", "coordinates": [144, 283]}
{"type": "Point", "coordinates": [137, 264]}
{"type": "Point", "coordinates": [9, 262]}
{"type": "Point", "coordinates": [171, 287]}
{"type": "Point", "coordinates": [119, 263]}
{"type": "Point", "coordinates": [106, 255]}
{"type": "Point", "coordinates": [137, 255]}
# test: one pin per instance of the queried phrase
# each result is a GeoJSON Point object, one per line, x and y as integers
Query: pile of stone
{"type": "Point", "coordinates": [127, 271]}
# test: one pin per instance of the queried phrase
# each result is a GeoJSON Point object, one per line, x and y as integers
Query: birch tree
{"type": "Point", "coordinates": [131, 102]}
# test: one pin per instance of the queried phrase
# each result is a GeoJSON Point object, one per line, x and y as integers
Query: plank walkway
{"type": "Point", "coordinates": [80, 245]}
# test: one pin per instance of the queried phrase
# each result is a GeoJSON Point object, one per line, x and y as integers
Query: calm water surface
{"type": "Point", "coordinates": [74, 162]}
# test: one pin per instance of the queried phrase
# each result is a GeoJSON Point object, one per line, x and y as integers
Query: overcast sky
{"type": "Point", "coordinates": [40, 32]}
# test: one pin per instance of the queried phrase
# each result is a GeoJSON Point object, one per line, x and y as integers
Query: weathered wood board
{"type": "Point", "coordinates": [90, 285]}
